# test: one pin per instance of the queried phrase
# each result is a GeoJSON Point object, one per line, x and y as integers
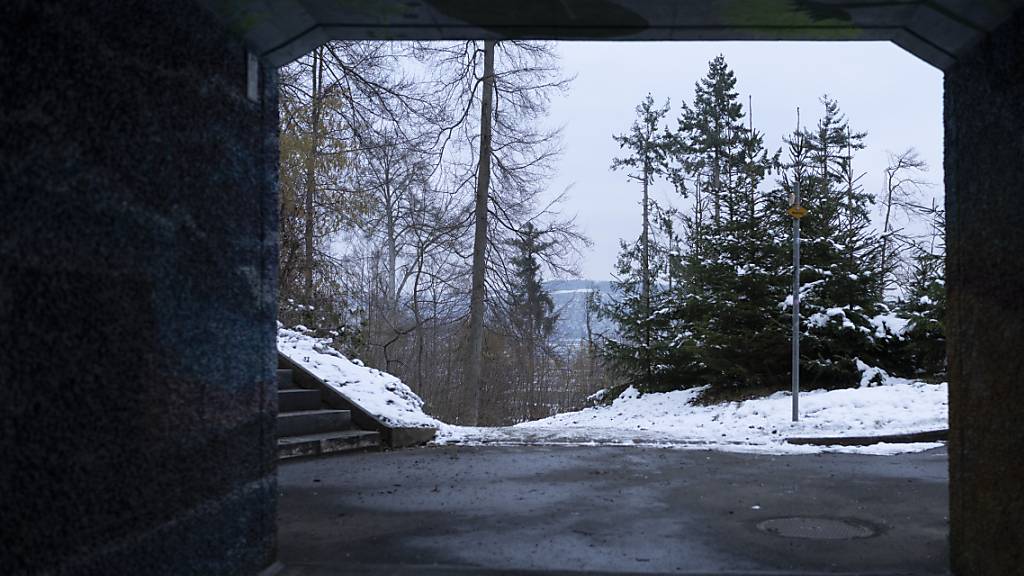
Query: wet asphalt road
{"type": "Point", "coordinates": [462, 510]}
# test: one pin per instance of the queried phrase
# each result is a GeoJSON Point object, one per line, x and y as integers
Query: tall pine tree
{"type": "Point", "coordinates": [636, 311]}
{"type": "Point", "coordinates": [531, 311]}
{"type": "Point", "coordinates": [721, 310]}
{"type": "Point", "coordinates": [729, 282]}
{"type": "Point", "coordinates": [840, 288]}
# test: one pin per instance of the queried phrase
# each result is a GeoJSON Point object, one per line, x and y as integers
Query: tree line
{"type": "Point", "coordinates": [704, 295]}
{"type": "Point", "coordinates": [414, 235]}
{"type": "Point", "coordinates": [412, 227]}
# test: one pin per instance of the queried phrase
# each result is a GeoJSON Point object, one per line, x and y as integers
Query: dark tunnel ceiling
{"type": "Point", "coordinates": [934, 30]}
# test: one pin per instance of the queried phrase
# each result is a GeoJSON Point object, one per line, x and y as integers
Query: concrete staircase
{"type": "Point", "coordinates": [308, 427]}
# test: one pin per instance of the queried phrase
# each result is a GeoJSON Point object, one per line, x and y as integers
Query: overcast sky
{"type": "Point", "coordinates": [883, 90]}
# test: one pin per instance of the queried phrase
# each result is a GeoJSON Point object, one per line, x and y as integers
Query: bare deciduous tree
{"type": "Point", "coordinates": [509, 84]}
{"type": "Point", "coordinates": [904, 183]}
{"type": "Point", "coordinates": [398, 211]}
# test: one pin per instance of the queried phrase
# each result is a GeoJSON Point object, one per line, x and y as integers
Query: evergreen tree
{"type": "Point", "coordinates": [645, 144]}
{"type": "Point", "coordinates": [639, 351]}
{"type": "Point", "coordinates": [532, 315]}
{"type": "Point", "coordinates": [840, 288]}
{"type": "Point", "coordinates": [704, 298]}
{"type": "Point", "coordinates": [924, 306]}
{"type": "Point", "coordinates": [728, 284]}
{"type": "Point", "coordinates": [924, 301]}
{"type": "Point", "coordinates": [711, 134]}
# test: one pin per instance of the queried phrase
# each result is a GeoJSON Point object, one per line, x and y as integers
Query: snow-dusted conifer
{"type": "Point", "coordinates": [644, 159]}
{"type": "Point", "coordinates": [728, 283]}
{"type": "Point", "coordinates": [841, 288]}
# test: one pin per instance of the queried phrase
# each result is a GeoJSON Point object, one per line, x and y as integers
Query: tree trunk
{"type": "Point", "coordinates": [645, 266]}
{"type": "Point", "coordinates": [474, 360]}
{"type": "Point", "coordinates": [716, 171]}
{"type": "Point", "coordinates": [391, 287]}
{"type": "Point", "coordinates": [418, 319]}
{"type": "Point", "coordinates": [310, 215]}
{"type": "Point", "coordinates": [752, 206]}
{"type": "Point", "coordinates": [884, 259]}
{"type": "Point", "coordinates": [850, 183]}
{"type": "Point", "coordinates": [698, 220]}
{"type": "Point", "coordinates": [588, 318]}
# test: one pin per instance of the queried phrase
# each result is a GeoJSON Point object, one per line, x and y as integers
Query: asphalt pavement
{"type": "Point", "coordinates": [547, 510]}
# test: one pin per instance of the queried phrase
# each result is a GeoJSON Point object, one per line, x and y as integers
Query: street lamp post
{"type": "Point", "coordinates": [795, 209]}
{"type": "Point", "coordinates": [797, 212]}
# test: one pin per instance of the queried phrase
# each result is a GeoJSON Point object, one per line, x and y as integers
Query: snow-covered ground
{"type": "Point", "coordinates": [379, 393]}
{"type": "Point", "coordinates": [668, 419]}
{"type": "Point", "coordinates": [761, 425]}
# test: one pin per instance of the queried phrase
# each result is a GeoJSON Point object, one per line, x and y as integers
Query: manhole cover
{"type": "Point", "coordinates": [817, 528]}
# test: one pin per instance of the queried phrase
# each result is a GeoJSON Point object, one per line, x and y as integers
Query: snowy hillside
{"type": "Point", "coordinates": [379, 393]}
{"type": "Point", "coordinates": [759, 425]}
{"type": "Point", "coordinates": [665, 419]}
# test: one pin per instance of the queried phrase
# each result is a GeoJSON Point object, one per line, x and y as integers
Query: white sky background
{"type": "Point", "coordinates": [894, 97]}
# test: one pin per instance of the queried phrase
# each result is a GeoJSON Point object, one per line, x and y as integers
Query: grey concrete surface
{"type": "Point", "coordinates": [138, 286]}
{"type": "Point", "coordinates": [984, 108]}
{"type": "Point", "coordinates": [935, 31]}
{"type": "Point", "coordinates": [510, 510]}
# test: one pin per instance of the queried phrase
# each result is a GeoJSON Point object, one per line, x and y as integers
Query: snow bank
{"type": "Point", "coordinates": [872, 376]}
{"type": "Point", "coordinates": [760, 425]}
{"type": "Point", "coordinates": [895, 406]}
{"type": "Point", "coordinates": [379, 393]}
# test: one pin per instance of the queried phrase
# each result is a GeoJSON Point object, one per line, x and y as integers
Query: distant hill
{"type": "Point", "coordinates": [570, 302]}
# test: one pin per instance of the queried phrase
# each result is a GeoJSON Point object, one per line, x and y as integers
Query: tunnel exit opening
{"type": "Point", "coordinates": [140, 253]}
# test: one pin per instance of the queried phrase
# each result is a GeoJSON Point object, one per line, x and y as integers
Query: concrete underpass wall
{"type": "Point", "coordinates": [137, 293]}
{"type": "Point", "coordinates": [985, 213]}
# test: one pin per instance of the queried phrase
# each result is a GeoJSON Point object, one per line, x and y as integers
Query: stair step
{"type": "Point", "coordinates": [326, 443]}
{"type": "Point", "coordinates": [284, 379]}
{"type": "Point", "coordinates": [305, 422]}
{"type": "Point", "coordinates": [296, 399]}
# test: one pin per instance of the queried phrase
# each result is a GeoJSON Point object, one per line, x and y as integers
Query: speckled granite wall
{"type": "Point", "coordinates": [985, 213]}
{"type": "Point", "coordinates": [137, 293]}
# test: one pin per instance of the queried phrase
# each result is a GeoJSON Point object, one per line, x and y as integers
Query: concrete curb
{"type": "Point", "coordinates": [453, 570]}
{"type": "Point", "coordinates": [929, 436]}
